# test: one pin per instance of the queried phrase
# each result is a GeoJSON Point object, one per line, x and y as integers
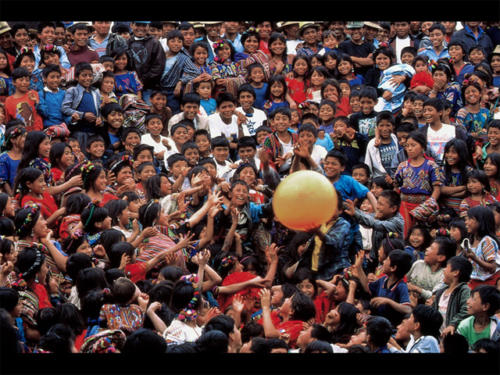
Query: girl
{"type": "Point", "coordinates": [250, 40]}
{"type": "Point", "coordinates": [346, 70]}
{"type": "Point", "coordinates": [161, 144]}
{"type": "Point", "coordinates": [419, 180]}
{"type": "Point", "coordinates": [111, 132]}
{"type": "Point", "coordinates": [456, 167]}
{"type": "Point", "coordinates": [331, 60]}
{"type": "Point", "coordinates": [6, 86]}
{"type": "Point", "coordinates": [276, 94]}
{"type": "Point", "coordinates": [482, 247]}
{"type": "Point", "coordinates": [478, 191]}
{"type": "Point", "coordinates": [20, 36]}
{"type": "Point", "coordinates": [327, 115]}
{"type": "Point", "coordinates": [387, 245]}
{"type": "Point", "coordinates": [227, 74]}
{"type": "Point", "coordinates": [95, 220]}
{"type": "Point", "coordinates": [417, 241]}
{"type": "Point", "coordinates": [477, 54]}
{"type": "Point", "coordinates": [422, 82]}
{"type": "Point", "coordinates": [457, 233]}
{"type": "Point", "coordinates": [26, 59]}
{"type": "Point", "coordinates": [457, 52]}
{"type": "Point", "coordinates": [495, 67]}
{"type": "Point", "coordinates": [492, 170]}
{"type": "Point", "coordinates": [61, 157]}
{"type": "Point", "coordinates": [74, 206]}
{"type": "Point", "coordinates": [106, 85]}
{"type": "Point", "coordinates": [126, 82]}
{"type": "Point", "coordinates": [298, 82]}
{"type": "Point", "coordinates": [7, 206]}
{"type": "Point", "coordinates": [10, 159]}
{"type": "Point", "coordinates": [331, 91]}
{"type": "Point", "coordinates": [316, 60]}
{"type": "Point", "coordinates": [32, 189]}
{"type": "Point", "coordinates": [307, 284]}
{"type": "Point", "coordinates": [120, 218]}
{"type": "Point", "coordinates": [279, 63]}
{"type": "Point", "coordinates": [472, 116]}
{"type": "Point", "coordinates": [493, 144]}
{"type": "Point", "coordinates": [444, 88]}
{"type": "Point", "coordinates": [248, 173]}
{"type": "Point", "coordinates": [121, 169]}
{"type": "Point", "coordinates": [199, 51]}
{"type": "Point", "coordinates": [95, 182]}
{"type": "Point", "coordinates": [319, 74]}
{"type": "Point", "coordinates": [256, 78]}
{"type": "Point", "coordinates": [144, 171]}
{"type": "Point", "coordinates": [342, 322]}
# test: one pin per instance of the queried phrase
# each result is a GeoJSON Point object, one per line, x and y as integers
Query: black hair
{"type": "Point", "coordinates": [430, 320]}
{"type": "Point", "coordinates": [8, 299]}
{"type": "Point", "coordinates": [380, 330]}
{"type": "Point", "coordinates": [174, 158]}
{"type": "Point", "coordinates": [25, 176]}
{"type": "Point", "coordinates": [182, 294]}
{"type": "Point", "coordinates": [90, 176]}
{"type": "Point", "coordinates": [445, 68]}
{"type": "Point", "coordinates": [7, 227]}
{"type": "Point", "coordinates": [225, 97]}
{"type": "Point", "coordinates": [381, 182]}
{"type": "Point", "coordinates": [30, 150]}
{"type": "Point", "coordinates": [10, 131]}
{"type": "Point", "coordinates": [391, 244]}
{"type": "Point", "coordinates": [392, 197]}
{"type": "Point", "coordinates": [251, 67]}
{"type": "Point", "coordinates": [91, 215]}
{"type": "Point", "coordinates": [113, 274]}
{"type": "Point", "coordinates": [385, 115]}
{"type": "Point", "coordinates": [144, 341]}
{"type": "Point", "coordinates": [247, 88]}
{"type": "Point", "coordinates": [263, 128]}
{"type": "Point", "coordinates": [226, 42]}
{"type": "Point", "coordinates": [75, 203]}
{"type": "Point", "coordinates": [419, 138]}
{"type": "Point", "coordinates": [409, 49]}
{"type": "Point", "coordinates": [199, 44]}
{"type": "Point", "coordinates": [303, 307]}
{"type": "Point", "coordinates": [402, 260]}
{"type": "Point", "coordinates": [480, 176]}
{"type": "Point", "coordinates": [308, 128]}
{"type": "Point", "coordinates": [213, 342]}
{"type": "Point", "coordinates": [337, 155]}
{"type": "Point", "coordinates": [70, 315]}
{"type": "Point", "coordinates": [463, 266]}
{"type": "Point", "coordinates": [56, 153]}
{"type": "Point", "coordinates": [318, 346]}
{"type": "Point", "coordinates": [106, 58]}
{"type": "Point", "coordinates": [20, 73]}
{"type": "Point", "coordinates": [143, 165]}
{"type": "Point", "coordinates": [219, 141]}
{"type": "Point", "coordinates": [362, 166]}
{"type": "Point", "coordinates": [77, 262]}
{"type": "Point", "coordinates": [58, 339]}
{"type": "Point", "coordinates": [111, 107]}
{"type": "Point", "coordinates": [488, 345]}
{"type": "Point", "coordinates": [88, 279]}
{"type": "Point", "coordinates": [123, 290]}
{"type": "Point", "coordinates": [152, 187]}
{"type": "Point", "coordinates": [110, 237]}
{"type": "Point", "coordinates": [81, 67]}
{"type": "Point", "coordinates": [191, 97]}
{"type": "Point", "coordinates": [25, 229]}
{"type": "Point", "coordinates": [205, 161]}
{"type": "Point", "coordinates": [94, 139]}
{"type": "Point", "coordinates": [45, 319]}
{"type": "Point", "coordinates": [188, 145]}
{"type": "Point", "coordinates": [426, 234]}
{"type": "Point", "coordinates": [456, 344]}
{"type": "Point", "coordinates": [274, 37]}
{"type": "Point", "coordinates": [348, 323]}
{"type": "Point", "coordinates": [175, 34]}
{"type": "Point", "coordinates": [276, 78]}
{"type": "Point", "coordinates": [148, 213]}
{"type": "Point", "coordinates": [434, 102]}
{"type": "Point", "coordinates": [49, 69]}
{"type": "Point", "coordinates": [306, 59]}
{"type": "Point", "coordinates": [129, 130]}
{"type": "Point", "coordinates": [115, 208]}
{"type": "Point", "coordinates": [282, 111]}
{"type": "Point", "coordinates": [142, 147]}
{"type": "Point", "coordinates": [488, 295]}
{"type": "Point", "coordinates": [251, 330]}
{"type": "Point", "coordinates": [249, 33]}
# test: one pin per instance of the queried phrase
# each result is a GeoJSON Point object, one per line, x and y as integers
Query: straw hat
{"type": "Point", "coordinates": [4, 27]}
{"type": "Point", "coordinates": [307, 25]}
{"type": "Point", "coordinates": [373, 25]}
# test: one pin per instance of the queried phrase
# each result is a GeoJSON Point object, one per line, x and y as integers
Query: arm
{"type": "Point", "coordinates": [372, 199]}
{"type": "Point", "coordinates": [436, 191]}
{"type": "Point", "coordinates": [228, 241]}
{"type": "Point", "coordinates": [58, 257]}
{"type": "Point", "coordinates": [73, 181]}
{"type": "Point", "coordinates": [234, 288]}
{"type": "Point", "coordinates": [53, 218]}
{"type": "Point", "coordinates": [379, 225]}
{"type": "Point", "coordinates": [159, 324]}
{"type": "Point", "coordinates": [453, 190]}
{"type": "Point", "coordinates": [270, 330]}
{"type": "Point", "coordinates": [357, 271]}
{"type": "Point", "coordinates": [212, 200]}
{"type": "Point", "coordinates": [272, 260]}
{"type": "Point", "coordinates": [363, 61]}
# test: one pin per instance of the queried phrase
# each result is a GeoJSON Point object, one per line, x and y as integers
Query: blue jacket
{"type": "Point", "coordinates": [49, 106]}
{"type": "Point", "coordinates": [73, 98]}
{"type": "Point", "coordinates": [468, 38]}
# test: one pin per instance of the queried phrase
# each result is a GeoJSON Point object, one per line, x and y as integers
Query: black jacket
{"type": "Point", "coordinates": [147, 59]}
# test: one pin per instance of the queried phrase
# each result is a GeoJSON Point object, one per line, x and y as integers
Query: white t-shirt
{"type": "Point", "coordinates": [254, 121]}
{"type": "Point", "coordinates": [436, 140]}
{"type": "Point", "coordinates": [400, 44]}
{"type": "Point", "coordinates": [291, 46]}
{"type": "Point", "coordinates": [318, 154]}
{"type": "Point", "coordinates": [173, 150]}
{"type": "Point", "coordinates": [217, 127]}
{"type": "Point", "coordinates": [147, 139]}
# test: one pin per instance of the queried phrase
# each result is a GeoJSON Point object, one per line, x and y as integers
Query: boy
{"type": "Point", "coordinates": [354, 101]}
{"type": "Point", "coordinates": [82, 104]}
{"type": "Point", "coordinates": [423, 324]}
{"type": "Point", "coordinates": [51, 97]}
{"type": "Point", "coordinates": [191, 153]}
{"type": "Point", "coordinates": [131, 137]}
{"type": "Point", "coordinates": [247, 151]}
{"type": "Point", "coordinates": [220, 150]}
{"type": "Point", "coordinates": [254, 117]}
{"type": "Point", "coordinates": [383, 148]}
{"type": "Point", "coordinates": [22, 104]}
{"type": "Point", "coordinates": [75, 146]}
{"type": "Point", "coordinates": [108, 63]}
{"type": "Point", "coordinates": [408, 54]}
{"type": "Point", "coordinates": [159, 106]}
{"type": "Point", "coordinates": [402, 132]}
{"type": "Point", "coordinates": [190, 107]}
{"type": "Point", "coordinates": [202, 140]}
{"type": "Point", "coordinates": [178, 167]}
{"type": "Point", "coordinates": [482, 304]}
{"type": "Point", "coordinates": [361, 173]}
{"type": "Point", "coordinates": [204, 89]}
{"type": "Point", "coordinates": [379, 331]}
{"type": "Point", "coordinates": [153, 137]}
{"type": "Point", "coordinates": [387, 219]}
{"type": "Point", "coordinates": [95, 149]}
{"type": "Point", "coordinates": [390, 297]}
{"type": "Point", "coordinates": [179, 136]}
{"type": "Point", "coordinates": [451, 300]}
{"type": "Point", "coordinates": [418, 109]}
{"type": "Point", "coordinates": [261, 133]}
{"type": "Point", "coordinates": [365, 121]}
{"type": "Point", "coordinates": [351, 143]}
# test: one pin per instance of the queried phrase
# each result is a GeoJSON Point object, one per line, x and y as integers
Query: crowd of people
{"type": "Point", "coordinates": [139, 161]}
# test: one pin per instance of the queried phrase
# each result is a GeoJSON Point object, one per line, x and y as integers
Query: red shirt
{"type": "Point", "coordinates": [43, 296]}
{"type": "Point", "coordinates": [323, 306]}
{"type": "Point", "coordinates": [293, 329]}
{"type": "Point", "coordinates": [47, 203]}
{"type": "Point", "coordinates": [106, 197]}
{"type": "Point", "coordinates": [23, 108]}
{"type": "Point", "coordinates": [136, 271]}
{"type": "Point", "coordinates": [56, 174]}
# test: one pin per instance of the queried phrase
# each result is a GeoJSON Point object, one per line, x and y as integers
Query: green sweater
{"type": "Point", "coordinates": [457, 305]}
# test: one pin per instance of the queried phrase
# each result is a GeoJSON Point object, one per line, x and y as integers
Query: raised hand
{"type": "Point", "coordinates": [238, 304]}
{"type": "Point", "coordinates": [265, 298]}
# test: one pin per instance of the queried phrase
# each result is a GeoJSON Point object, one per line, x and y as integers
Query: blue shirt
{"type": "Point", "coordinates": [209, 105]}
{"type": "Point", "coordinates": [260, 96]}
{"type": "Point", "coordinates": [87, 104]}
{"type": "Point", "coordinates": [349, 188]}
{"type": "Point", "coordinates": [432, 55]}
{"type": "Point", "coordinates": [398, 293]}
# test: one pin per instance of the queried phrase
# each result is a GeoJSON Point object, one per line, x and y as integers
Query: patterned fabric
{"type": "Point", "coordinates": [468, 203]}
{"type": "Point", "coordinates": [8, 169]}
{"type": "Point", "coordinates": [127, 83]}
{"type": "Point", "coordinates": [108, 341]}
{"type": "Point", "coordinates": [474, 122]}
{"type": "Point", "coordinates": [44, 167]}
{"type": "Point", "coordinates": [273, 147]}
{"type": "Point", "coordinates": [452, 95]}
{"type": "Point", "coordinates": [397, 92]}
{"type": "Point", "coordinates": [127, 318]}
{"type": "Point", "coordinates": [233, 72]}
{"type": "Point", "coordinates": [418, 180]}
{"type": "Point", "coordinates": [486, 250]}
{"type": "Point", "coordinates": [297, 89]}
{"type": "Point", "coordinates": [455, 179]}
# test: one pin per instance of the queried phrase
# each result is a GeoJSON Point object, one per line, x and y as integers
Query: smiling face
{"type": "Point", "coordinates": [471, 224]}
{"type": "Point", "coordinates": [432, 115]}
{"type": "Point", "coordinates": [277, 90]}
{"type": "Point", "coordinates": [416, 238]}
{"type": "Point", "coordinates": [251, 44]}
{"type": "Point", "coordinates": [21, 38]}
{"type": "Point", "coordinates": [332, 167]}
{"type": "Point", "coordinates": [101, 182]}
{"type": "Point", "coordinates": [382, 61]}
{"type": "Point", "coordinates": [155, 126]}
{"type": "Point", "coordinates": [277, 47]}
{"type": "Point", "coordinates": [385, 129]}
{"type": "Point", "coordinates": [96, 149]}
{"type": "Point", "coordinates": [472, 95]}
{"type": "Point", "coordinates": [247, 174]}
{"type": "Point", "coordinates": [147, 172]}
{"type": "Point", "coordinates": [474, 186]}
{"type": "Point", "coordinates": [224, 52]}
{"type": "Point", "coordinates": [180, 135]}
{"type": "Point", "coordinates": [174, 45]}
{"type": "Point", "coordinates": [28, 62]}
{"type": "Point", "coordinates": [239, 195]}
{"type": "Point", "coordinates": [257, 75]}
{"type": "Point", "coordinates": [300, 67]}
{"type": "Point", "coordinates": [38, 186]}
{"type": "Point", "coordinates": [44, 148]}
{"type": "Point", "coordinates": [489, 168]}
{"type": "Point", "coordinates": [123, 175]}
{"type": "Point", "coordinates": [47, 35]}
{"type": "Point", "coordinates": [85, 78]}
{"type": "Point", "coordinates": [437, 37]}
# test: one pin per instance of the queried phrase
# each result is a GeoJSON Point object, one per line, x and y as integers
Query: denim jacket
{"type": "Point", "coordinates": [73, 98]}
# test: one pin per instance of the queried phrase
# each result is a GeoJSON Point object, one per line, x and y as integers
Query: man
{"type": "Point", "coordinates": [371, 31]}
{"type": "Point", "coordinates": [80, 51]}
{"type": "Point", "coordinates": [338, 28]}
{"type": "Point", "coordinates": [213, 35]}
{"type": "Point", "coordinates": [291, 29]}
{"type": "Point", "coordinates": [265, 29]}
{"type": "Point", "coordinates": [231, 34]}
{"type": "Point", "coordinates": [309, 33]}
{"type": "Point", "coordinates": [450, 27]}
{"type": "Point", "coordinates": [99, 41]}
{"type": "Point", "coordinates": [147, 57]}
{"type": "Point", "coordinates": [7, 43]}
{"type": "Point", "coordinates": [46, 35]}
{"type": "Point", "coordinates": [473, 34]}
{"type": "Point", "coordinates": [187, 31]}
{"type": "Point", "coordinates": [360, 51]}
{"type": "Point", "coordinates": [402, 39]}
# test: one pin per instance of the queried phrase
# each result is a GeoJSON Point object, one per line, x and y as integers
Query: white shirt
{"type": "Point", "coordinates": [225, 171]}
{"type": "Point", "coordinates": [318, 154]}
{"type": "Point", "coordinates": [253, 122]}
{"type": "Point", "coordinates": [436, 140]}
{"type": "Point", "coordinates": [147, 139]}
{"type": "Point", "coordinates": [179, 332]}
{"type": "Point", "coordinates": [173, 150]}
{"type": "Point", "coordinates": [218, 127]}
{"type": "Point", "coordinates": [400, 44]}
{"type": "Point", "coordinates": [291, 46]}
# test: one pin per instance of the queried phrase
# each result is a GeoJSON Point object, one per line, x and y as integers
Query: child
{"type": "Point", "coordinates": [256, 79]}
{"type": "Point", "coordinates": [355, 101]}
{"type": "Point", "coordinates": [365, 121]}
{"type": "Point", "coordinates": [426, 274]}
{"type": "Point", "coordinates": [451, 299]}
{"type": "Point", "coordinates": [61, 157]}
{"type": "Point", "coordinates": [378, 332]}
{"type": "Point", "coordinates": [277, 92]}
{"type": "Point", "coordinates": [492, 170]}
{"type": "Point", "coordinates": [143, 172]}
{"type": "Point", "coordinates": [324, 140]}
{"type": "Point", "coordinates": [26, 59]}
{"type": "Point", "coordinates": [82, 104]}
{"type": "Point", "coordinates": [106, 86]}
{"type": "Point", "coordinates": [408, 54]}
{"type": "Point", "coordinates": [51, 97]}
{"type": "Point", "coordinates": [346, 71]}
{"type": "Point", "coordinates": [379, 184]}
{"type": "Point", "coordinates": [254, 117]}
{"type": "Point", "coordinates": [481, 305]}
{"type": "Point", "coordinates": [382, 149]}
{"type": "Point", "coordinates": [178, 167]}
{"type": "Point", "coordinates": [422, 82]}
{"type": "Point", "coordinates": [77, 151]}
{"type": "Point", "coordinates": [22, 104]}
{"type": "Point", "coordinates": [493, 144]}
{"type": "Point", "coordinates": [297, 85]}
{"type": "Point", "coordinates": [319, 75]}
{"type": "Point", "coordinates": [418, 109]}
{"type": "Point", "coordinates": [191, 153]}
{"type": "Point", "coordinates": [295, 121]}
{"type": "Point", "coordinates": [327, 110]}
{"type": "Point", "coordinates": [190, 107]}
{"type": "Point", "coordinates": [10, 159]}
{"type": "Point", "coordinates": [349, 142]}
{"type": "Point", "coordinates": [126, 82]}
{"type": "Point", "coordinates": [202, 140]}
{"type": "Point", "coordinates": [179, 136]}
{"type": "Point", "coordinates": [6, 87]}
{"type": "Point", "coordinates": [390, 297]}
{"type": "Point", "coordinates": [261, 133]}
{"type": "Point", "coordinates": [159, 106]}
{"type": "Point", "coordinates": [330, 43]}
{"type": "Point", "coordinates": [393, 95]}
{"type": "Point", "coordinates": [307, 154]}
{"type": "Point", "coordinates": [419, 180]}
{"type": "Point", "coordinates": [95, 149]}
{"type": "Point", "coordinates": [204, 90]}
{"type": "Point", "coordinates": [154, 138]}
{"type": "Point", "coordinates": [361, 173]}
{"type": "Point", "coordinates": [331, 59]}
{"type": "Point", "coordinates": [108, 63]}
{"type": "Point", "coordinates": [220, 149]}
{"type": "Point", "coordinates": [417, 241]}
{"type": "Point", "coordinates": [472, 116]}
{"type": "Point", "coordinates": [478, 192]}
{"type": "Point", "coordinates": [423, 324]}
{"type": "Point", "coordinates": [113, 118]}
{"type": "Point", "coordinates": [477, 54]}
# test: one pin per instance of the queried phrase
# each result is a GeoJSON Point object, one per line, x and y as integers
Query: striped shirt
{"type": "Point", "coordinates": [183, 70]}
{"type": "Point", "coordinates": [100, 48]}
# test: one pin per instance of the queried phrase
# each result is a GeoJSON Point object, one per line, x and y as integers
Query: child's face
{"type": "Point", "coordinates": [38, 186]}
{"type": "Point", "coordinates": [132, 140]}
{"type": "Point", "coordinates": [145, 156]}
{"type": "Point", "coordinates": [416, 238]}
{"type": "Point", "coordinates": [51, 59]}
{"type": "Point", "coordinates": [121, 62]}
{"type": "Point", "coordinates": [107, 85]}
{"type": "Point", "coordinates": [123, 175]}
{"type": "Point", "coordinates": [431, 254]}
{"type": "Point", "coordinates": [251, 44]}
{"type": "Point", "coordinates": [239, 195]}
{"type": "Point", "coordinates": [212, 170]}
{"type": "Point", "coordinates": [330, 42]}
{"type": "Point", "coordinates": [281, 122]}
{"type": "Point", "coordinates": [475, 305]}
{"type": "Point", "coordinates": [315, 62]}
{"type": "Point", "coordinates": [339, 128]}
{"type": "Point", "coordinates": [367, 105]}
{"type": "Point", "coordinates": [115, 119]}
{"type": "Point", "coordinates": [192, 155]}
{"type": "Point", "coordinates": [221, 154]}
{"type": "Point", "coordinates": [355, 104]}
{"type": "Point", "coordinates": [385, 129]}
{"type": "Point", "coordinates": [224, 52]}
{"type": "Point", "coordinates": [306, 287]}
{"type": "Point", "coordinates": [21, 37]}
{"type": "Point", "coordinates": [22, 84]}
{"type": "Point", "coordinates": [134, 206]}
{"type": "Point", "coordinates": [474, 186]}
{"type": "Point", "coordinates": [407, 58]}
{"type": "Point", "coordinates": [96, 149]}
{"type": "Point", "coordinates": [165, 186]}
{"type": "Point", "coordinates": [75, 146]}
{"type": "Point", "coordinates": [101, 182]}
{"type": "Point", "coordinates": [147, 172]}
{"type": "Point", "coordinates": [44, 148]}
{"type": "Point", "coordinates": [490, 169]}
{"type": "Point", "coordinates": [471, 224]}
{"type": "Point", "coordinates": [246, 100]}
{"type": "Point", "coordinates": [200, 56]}
{"type": "Point", "coordinates": [495, 63]}
{"type": "Point", "coordinates": [203, 143]}
{"type": "Point", "coordinates": [440, 78]}
{"type": "Point", "coordinates": [53, 80]}
{"type": "Point", "coordinates": [261, 136]}
{"type": "Point", "coordinates": [248, 175]}
{"type": "Point", "coordinates": [476, 56]}
{"type": "Point", "coordinates": [455, 234]}
{"type": "Point", "coordinates": [384, 208]}
{"type": "Point", "coordinates": [386, 266]}
{"type": "Point", "coordinates": [277, 90]}
{"type": "Point", "coordinates": [246, 153]}
{"type": "Point", "coordinates": [345, 68]}
{"type": "Point", "coordinates": [366, 206]}
{"type": "Point", "coordinates": [257, 75]}
{"type": "Point", "coordinates": [190, 110]}
{"type": "Point", "coordinates": [155, 126]}
{"type": "Point", "coordinates": [28, 63]}
{"type": "Point", "coordinates": [418, 108]}
{"type": "Point", "coordinates": [317, 79]}
{"type": "Point", "coordinates": [306, 138]}
{"type": "Point", "coordinates": [178, 167]}
{"type": "Point", "coordinates": [456, 53]}
{"type": "Point", "coordinates": [326, 113]}
{"type": "Point", "coordinates": [68, 158]}
{"type": "Point", "coordinates": [180, 136]}
{"type": "Point", "coordinates": [295, 118]}
{"type": "Point", "coordinates": [204, 90]}
{"type": "Point", "coordinates": [3, 61]}
{"type": "Point", "coordinates": [159, 102]}
{"type": "Point", "coordinates": [413, 149]}
{"type": "Point", "coordinates": [451, 157]}
{"type": "Point", "coordinates": [420, 66]}
{"type": "Point", "coordinates": [376, 190]}
{"type": "Point", "coordinates": [494, 136]}
{"type": "Point", "coordinates": [124, 217]}
{"type": "Point", "coordinates": [332, 167]}
{"type": "Point", "coordinates": [226, 110]}
{"type": "Point", "coordinates": [436, 36]}
{"type": "Point", "coordinates": [300, 68]}
{"type": "Point", "coordinates": [360, 175]}
{"type": "Point", "coordinates": [472, 95]}
{"type": "Point", "coordinates": [313, 108]}
{"type": "Point", "coordinates": [109, 66]}
{"type": "Point", "coordinates": [321, 133]}
{"type": "Point", "coordinates": [330, 62]}
{"type": "Point", "coordinates": [174, 45]}
{"type": "Point", "coordinates": [431, 114]}
{"type": "Point", "coordinates": [382, 61]}
{"type": "Point", "coordinates": [85, 78]}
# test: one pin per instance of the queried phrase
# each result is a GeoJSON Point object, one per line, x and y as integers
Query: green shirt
{"type": "Point", "coordinates": [466, 329]}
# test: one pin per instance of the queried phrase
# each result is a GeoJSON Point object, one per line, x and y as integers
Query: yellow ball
{"type": "Point", "coordinates": [304, 200]}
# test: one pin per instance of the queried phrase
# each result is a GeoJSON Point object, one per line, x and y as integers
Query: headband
{"type": "Point", "coordinates": [189, 313]}
{"type": "Point", "coordinates": [21, 283]}
{"type": "Point", "coordinates": [85, 168]}
{"type": "Point", "coordinates": [50, 48]}
{"type": "Point", "coordinates": [29, 217]}
{"type": "Point", "coordinates": [125, 159]}
{"type": "Point", "coordinates": [92, 208]}
{"type": "Point", "coordinates": [16, 131]}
